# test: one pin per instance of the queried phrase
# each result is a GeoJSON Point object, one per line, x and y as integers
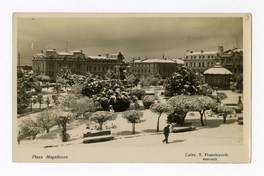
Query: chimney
{"type": "Point", "coordinates": [81, 51]}
{"type": "Point", "coordinates": [202, 51]}
{"type": "Point", "coordinates": [99, 55]}
{"type": "Point", "coordinates": [107, 55]}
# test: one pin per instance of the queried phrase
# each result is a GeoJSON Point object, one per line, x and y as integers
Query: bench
{"type": "Point", "coordinates": [98, 139]}
{"type": "Point", "coordinates": [183, 129]}
{"type": "Point", "coordinates": [97, 133]}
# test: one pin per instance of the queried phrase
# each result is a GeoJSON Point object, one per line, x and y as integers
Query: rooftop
{"type": "Point", "coordinates": [160, 61]}
{"type": "Point", "coordinates": [217, 70]}
{"type": "Point", "coordinates": [192, 53]}
{"type": "Point", "coordinates": [103, 57]}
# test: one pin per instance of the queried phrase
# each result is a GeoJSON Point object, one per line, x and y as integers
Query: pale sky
{"type": "Point", "coordinates": [134, 36]}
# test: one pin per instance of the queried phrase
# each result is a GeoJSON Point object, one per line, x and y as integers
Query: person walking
{"type": "Point", "coordinates": [166, 132]}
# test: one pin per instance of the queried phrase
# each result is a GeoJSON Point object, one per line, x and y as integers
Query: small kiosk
{"type": "Point", "coordinates": [218, 76]}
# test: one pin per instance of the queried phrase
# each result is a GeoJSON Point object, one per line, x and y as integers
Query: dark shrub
{"type": "Point", "coordinates": [108, 92]}
{"type": "Point", "coordinates": [139, 93]}
{"type": "Point", "coordinates": [175, 118]}
{"type": "Point", "coordinates": [148, 101]}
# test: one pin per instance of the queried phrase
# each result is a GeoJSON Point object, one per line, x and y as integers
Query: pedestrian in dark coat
{"type": "Point", "coordinates": [166, 132]}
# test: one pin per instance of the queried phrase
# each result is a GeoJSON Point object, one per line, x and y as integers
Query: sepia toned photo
{"type": "Point", "coordinates": [131, 88]}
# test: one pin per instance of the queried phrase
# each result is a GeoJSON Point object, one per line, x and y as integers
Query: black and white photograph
{"type": "Point", "coordinates": [131, 88]}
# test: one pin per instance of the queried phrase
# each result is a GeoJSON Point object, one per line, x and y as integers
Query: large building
{"type": "Point", "coordinates": [49, 61]}
{"type": "Point", "coordinates": [145, 67]}
{"type": "Point", "coordinates": [232, 60]}
{"type": "Point", "coordinates": [201, 60]}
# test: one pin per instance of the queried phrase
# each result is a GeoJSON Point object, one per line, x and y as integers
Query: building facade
{"type": "Point", "coordinates": [165, 67]}
{"type": "Point", "coordinates": [49, 61]}
{"type": "Point", "coordinates": [201, 60]}
{"type": "Point", "coordinates": [232, 60]}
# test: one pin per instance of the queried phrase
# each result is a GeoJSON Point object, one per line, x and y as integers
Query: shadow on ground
{"type": "Point", "coordinates": [212, 123]}
{"type": "Point", "coordinates": [53, 134]}
{"type": "Point", "coordinates": [150, 131]}
{"type": "Point", "coordinates": [124, 133]}
{"type": "Point", "coordinates": [177, 141]}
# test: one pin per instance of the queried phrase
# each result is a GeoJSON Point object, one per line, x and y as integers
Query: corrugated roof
{"type": "Point", "coordinates": [218, 70]}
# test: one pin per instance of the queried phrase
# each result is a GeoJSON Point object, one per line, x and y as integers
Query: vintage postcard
{"type": "Point", "coordinates": [131, 88]}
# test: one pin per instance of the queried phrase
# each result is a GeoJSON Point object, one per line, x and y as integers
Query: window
{"type": "Point", "coordinates": [186, 57]}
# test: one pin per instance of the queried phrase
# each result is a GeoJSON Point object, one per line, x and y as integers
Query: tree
{"type": "Point", "coordinates": [83, 105]}
{"type": "Point", "coordinates": [62, 119]}
{"type": "Point", "coordinates": [23, 99]}
{"type": "Point", "coordinates": [46, 120]}
{"type": "Point", "coordinates": [201, 104]}
{"type": "Point", "coordinates": [40, 100]}
{"type": "Point", "coordinates": [109, 74]}
{"type": "Point", "coordinates": [101, 117]}
{"type": "Point", "coordinates": [159, 109]}
{"type": "Point", "coordinates": [130, 78]}
{"type": "Point", "coordinates": [223, 111]}
{"type": "Point", "coordinates": [108, 92]}
{"type": "Point", "coordinates": [55, 99]}
{"type": "Point", "coordinates": [182, 104]}
{"type": "Point", "coordinates": [133, 117]}
{"type": "Point", "coordinates": [184, 81]}
{"type": "Point", "coordinates": [29, 128]}
{"type": "Point", "coordinates": [139, 93]}
{"type": "Point", "coordinates": [148, 100]}
{"type": "Point", "coordinates": [77, 105]}
{"type": "Point", "coordinates": [43, 78]}
{"type": "Point", "coordinates": [77, 89]}
{"type": "Point", "coordinates": [64, 76]}
{"type": "Point", "coordinates": [25, 84]}
{"type": "Point", "coordinates": [48, 101]}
